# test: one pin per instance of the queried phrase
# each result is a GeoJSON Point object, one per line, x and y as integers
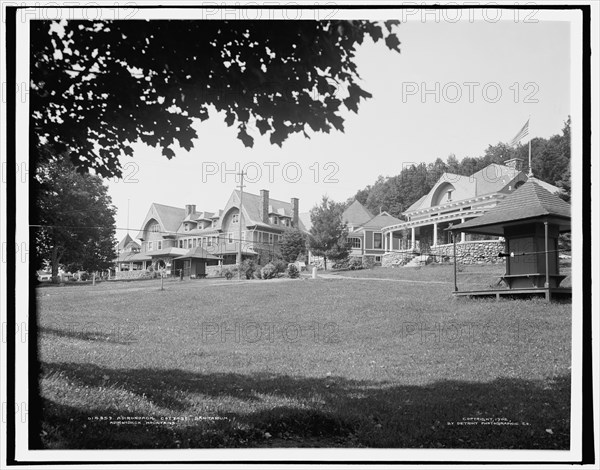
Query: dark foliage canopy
{"type": "Point", "coordinates": [75, 220]}
{"type": "Point", "coordinates": [99, 86]}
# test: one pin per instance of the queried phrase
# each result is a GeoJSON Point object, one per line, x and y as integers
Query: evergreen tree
{"type": "Point", "coordinates": [329, 234]}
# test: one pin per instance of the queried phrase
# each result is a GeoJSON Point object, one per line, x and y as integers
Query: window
{"type": "Point", "coordinates": [378, 259]}
{"type": "Point", "coordinates": [209, 241]}
{"type": "Point", "coordinates": [150, 246]}
{"type": "Point", "coordinates": [195, 242]}
{"type": "Point", "coordinates": [186, 227]}
{"type": "Point", "coordinates": [159, 245]}
{"type": "Point", "coordinates": [355, 242]}
{"type": "Point", "coordinates": [235, 218]}
{"type": "Point", "coordinates": [229, 237]}
{"type": "Point", "coordinates": [450, 195]}
{"type": "Point", "coordinates": [274, 220]}
{"type": "Point", "coordinates": [377, 241]}
{"type": "Point", "coordinates": [270, 239]}
{"type": "Point", "coordinates": [155, 228]}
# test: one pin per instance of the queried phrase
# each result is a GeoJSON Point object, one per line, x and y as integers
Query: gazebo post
{"type": "Point", "coordinates": [454, 247]}
{"type": "Point", "coordinates": [547, 283]}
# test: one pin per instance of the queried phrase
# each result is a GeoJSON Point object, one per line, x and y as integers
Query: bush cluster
{"type": "Point", "coordinates": [355, 263]}
{"type": "Point", "coordinates": [293, 271]}
{"type": "Point", "coordinates": [269, 271]}
{"type": "Point", "coordinates": [368, 262]}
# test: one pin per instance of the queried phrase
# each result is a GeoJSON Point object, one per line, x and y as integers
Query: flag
{"type": "Point", "coordinates": [522, 133]}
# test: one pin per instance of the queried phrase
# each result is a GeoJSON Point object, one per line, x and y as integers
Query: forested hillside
{"type": "Point", "coordinates": [550, 161]}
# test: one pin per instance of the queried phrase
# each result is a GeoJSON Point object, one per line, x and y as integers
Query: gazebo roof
{"type": "Point", "coordinates": [531, 202]}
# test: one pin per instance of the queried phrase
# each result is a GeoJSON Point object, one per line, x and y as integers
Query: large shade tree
{"type": "Point", "coordinates": [99, 86]}
{"type": "Point", "coordinates": [74, 221]}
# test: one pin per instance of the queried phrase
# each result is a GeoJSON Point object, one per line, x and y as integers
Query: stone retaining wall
{"type": "Point", "coordinates": [215, 270]}
{"type": "Point", "coordinates": [139, 274]}
{"type": "Point", "coordinates": [466, 253]}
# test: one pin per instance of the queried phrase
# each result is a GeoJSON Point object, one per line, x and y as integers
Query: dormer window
{"type": "Point", "coordinates": [155, 228]}
{"type": "Point", "coordinates": [450, 195]}
{"type": "Point", "coordinates": [186, 227]}
{"type": "Point", "coordinates": [275, 220]}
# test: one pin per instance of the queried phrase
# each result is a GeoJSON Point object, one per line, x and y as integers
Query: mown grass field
{"type": "Point", "coordinates": [303, 363]}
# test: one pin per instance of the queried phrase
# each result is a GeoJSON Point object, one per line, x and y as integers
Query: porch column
{"type": "Point", "coordinates": [391, 241]}
{"type": "Point", "coordinates": [412, 238]}
{"type": "Point", "coordinates": [435, 234]}
{"type": "Point", "coordinates": [462, 234]}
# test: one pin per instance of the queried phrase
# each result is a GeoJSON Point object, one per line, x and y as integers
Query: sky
{"type": "Point", "coordinates": [455, 88]}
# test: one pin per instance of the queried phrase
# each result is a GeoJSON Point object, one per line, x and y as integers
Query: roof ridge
{"type": "Point", "coordinates": [166, 205]}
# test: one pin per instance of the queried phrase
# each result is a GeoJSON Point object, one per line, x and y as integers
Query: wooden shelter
{"type": "Point", "coordinates": [530, 220]}
{"type": "Point", "coordinates": [194, 262]}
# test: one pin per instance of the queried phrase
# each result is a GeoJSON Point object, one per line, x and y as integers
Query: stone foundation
{"type": "Point", "coordinates": [473, 252]}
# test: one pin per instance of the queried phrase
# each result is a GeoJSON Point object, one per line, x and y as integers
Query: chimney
{"type": "Point", "coordinates": [295, 212]}
{"type": "Point", "coordinates": [190, 209]}
{"type": "Point", "coordinates": [264, 205]}
{"type": "Point", "coordinates": [514, 163]}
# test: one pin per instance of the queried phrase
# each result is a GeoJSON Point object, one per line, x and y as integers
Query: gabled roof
{"type": "Point", "coordinates": [417, 204]}
{"type": "Point", "coordinates": [253, 206]}
{"type": "Point", "coordinates": [530, 201]}
{"type": "Point", "coordinates": [492, 179]}
{"type": "Point", "coordinates": [123, 243]}
{"type": "Point", "coordinates": [356, 214]}
{"type": "Point", "coordinates": [168, 217]}
{"type": "Point", "coordinates": [204, 215]}
{"type": "Point", "coordinates": [198, 253]}
{"type": "Point", "coordinates": [381, 220]}
{"type": "Point", "coordinates": [252, 210]}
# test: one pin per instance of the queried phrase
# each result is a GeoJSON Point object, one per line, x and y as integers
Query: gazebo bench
{"type": "Point", "coordinates": [531, 280]}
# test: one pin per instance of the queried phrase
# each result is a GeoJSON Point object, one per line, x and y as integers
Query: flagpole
{"type": "Point", "coordinates": [529, 128]}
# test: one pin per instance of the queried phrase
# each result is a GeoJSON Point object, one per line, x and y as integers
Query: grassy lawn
{"type": "Point", "coordinates": [302, 363]}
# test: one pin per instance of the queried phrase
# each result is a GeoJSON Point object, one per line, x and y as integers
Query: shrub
{"type": "Point", "coordinates": [293, 271]}
{"type": "Point", "coordinates": [84, 276]}
{"type": "Point", "coordinates": [340, 264]}
{"type": "Point", "coordinates": [248, 268]}
{"type": "Point", "coordinates": [257, 272]}
{"type": "Point", "coordinates": [268, 271]}
{"type": "Point", "coordinates": [280, 266]}
{"type": "Point", "coordinates": [355, 263]}
{"type": "Point", "coordinates": [368, 262]}
{"type": "Point", "coordinates": [228, 274]}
